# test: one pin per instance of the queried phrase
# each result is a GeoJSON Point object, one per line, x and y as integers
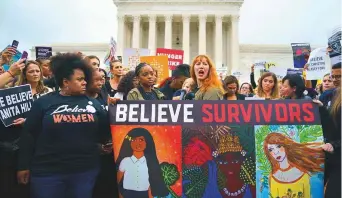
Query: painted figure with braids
{"type": "Point", "coordinates": [139, 172]}
{"type": "Point", "coordinates": [238, 169]}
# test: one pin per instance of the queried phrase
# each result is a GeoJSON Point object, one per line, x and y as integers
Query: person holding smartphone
{"type": "Point", "coordinates": [9, 137]}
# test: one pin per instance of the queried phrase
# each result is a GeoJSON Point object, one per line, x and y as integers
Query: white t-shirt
{"type": "Point", "coordinates": [135, 173]}
{"type": "Point", "coordinates": [255, 97]}
{"type": "Point", "coordinates": [119, 95]}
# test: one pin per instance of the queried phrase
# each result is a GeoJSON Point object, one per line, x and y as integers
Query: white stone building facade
{"type": "Point", "coordinates": [197, 27]}
{"type": "Point", "coordinates": [279, 54]}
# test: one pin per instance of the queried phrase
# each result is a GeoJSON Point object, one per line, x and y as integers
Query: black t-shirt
{"type": "Point", "coordinates": [103, 101]}
{"type": "Point", "coordinates": [51, 83]}
{"type": "Point", "coordinates": [9, 137]}
{"type": "Point", "coordinates": [61, 135]}
{"type": "Point", "coordinates": [238, 97]}
{"type": "Point", "coordinates": [111, 92]}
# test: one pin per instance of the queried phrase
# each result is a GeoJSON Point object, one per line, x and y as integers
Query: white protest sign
{"type": "Point", "coordinates": [335, 59]}
{"type": "Point", "coordinates": [238, 74]}
{"type": "Point", "coordinates": [280, 72]}
{"type": "Point", "coordinates": [254, 98]}
{"type": "Point", "coordinates": [259, 65]}
{"type": "Point", "coordinates": [317, 66]}
{"type": "Point", "coordinates": [222, 72]}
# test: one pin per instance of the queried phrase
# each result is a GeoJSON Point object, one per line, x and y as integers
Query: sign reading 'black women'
{"type": "Point", "coordinates": [14, 102]}
{"type": "Point", "coordinates": [215, 149]}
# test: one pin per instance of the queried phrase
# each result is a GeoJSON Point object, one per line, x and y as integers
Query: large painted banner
{"type": "Point", "coordinates": [216, 149]}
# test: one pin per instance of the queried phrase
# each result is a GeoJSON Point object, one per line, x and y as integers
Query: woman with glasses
{"type": "Point", "coordinates": [246, 89]}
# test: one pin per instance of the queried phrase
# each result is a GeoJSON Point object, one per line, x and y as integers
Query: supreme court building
{"type": "Point", "coordinates": [195, 26]}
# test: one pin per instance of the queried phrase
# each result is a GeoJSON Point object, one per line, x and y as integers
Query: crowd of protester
{"type": "Point", "coordinates": [48, 153]}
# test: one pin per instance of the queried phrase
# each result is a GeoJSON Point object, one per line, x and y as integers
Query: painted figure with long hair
{"type": "Point", "coordinates": [292, 164]}
{"type": "Point", "coordinates": [139, 173]}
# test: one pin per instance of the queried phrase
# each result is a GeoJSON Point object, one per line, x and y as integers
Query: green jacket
{"type": "Point", "coordinates": [135, 94]}
{"type": "Point", "coordinates": [210, 94]}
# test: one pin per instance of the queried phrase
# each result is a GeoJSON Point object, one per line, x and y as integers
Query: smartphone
{"type": "Point", "coordinates": [24, 55]}
{"type": "Point", "coordinates": [15, 44]}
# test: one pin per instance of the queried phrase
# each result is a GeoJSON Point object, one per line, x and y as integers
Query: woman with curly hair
{"type": "Point", "coordinates": [127, 83]}
{"type": "Point", "coordinates": [59, 153]}
{"type": "Point", "coordinates": [203, 72]}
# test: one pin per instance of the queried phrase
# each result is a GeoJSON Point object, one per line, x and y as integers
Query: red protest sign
{"type": "Point", "coordinates": [175, 56]}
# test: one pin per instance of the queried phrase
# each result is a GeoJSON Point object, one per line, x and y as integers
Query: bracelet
{"type": "Point", "coordinates": [10, 73]}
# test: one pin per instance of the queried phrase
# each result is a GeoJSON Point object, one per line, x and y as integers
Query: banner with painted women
{"type": "Point", "coordinates": [217, 149]}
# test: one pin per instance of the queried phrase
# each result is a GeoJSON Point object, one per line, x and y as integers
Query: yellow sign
{"type": "Point", "coordinates": [268, 65]}
{"type": "Point", "coordinates": [159, 64]}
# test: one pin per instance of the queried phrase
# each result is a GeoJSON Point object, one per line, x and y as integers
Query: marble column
{"type": "Point", "coordinates": [121, 33]}
{"type": "Point", "coordinates": [168, 32]}
{"type": "Point", "coordinates": [152, 32]}
{"type": "Point", "coordinates": [202, 37]}
{"type": "Point", "coordinates": [218, 40]}
{"type": "Point", "coordinates": [234, 40]}
{"type": "Point", "coordinates": [136, 31]}
{"type": "Point", "coordinates": [186, 38]}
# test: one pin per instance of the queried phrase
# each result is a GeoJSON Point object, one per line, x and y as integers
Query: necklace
{"type": "Point", "coordinates": [234, 194]}
{"type": "Point", "coordinates": [285, 169]}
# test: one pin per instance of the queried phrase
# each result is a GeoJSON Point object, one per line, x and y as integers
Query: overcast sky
{"type": "Point", "coordinates": [38, 22]}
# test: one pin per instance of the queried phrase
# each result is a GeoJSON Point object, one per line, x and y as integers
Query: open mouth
{"type": "Point", "coordinates": [279, 157]}
{"type": "Point", "coordinates": [201, 73]}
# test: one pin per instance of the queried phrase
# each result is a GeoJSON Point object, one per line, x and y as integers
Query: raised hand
{"type": "Point", "coordinates": [17, 67]}
{"type": "Point", "coordinates": [7, 54]}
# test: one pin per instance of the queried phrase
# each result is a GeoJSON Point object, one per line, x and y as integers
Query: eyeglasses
{"type": "Point", "coordinates": [336, 76]}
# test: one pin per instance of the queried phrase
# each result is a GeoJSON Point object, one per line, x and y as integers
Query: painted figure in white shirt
{"type": "Point", "coordinates": [139, 173]}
